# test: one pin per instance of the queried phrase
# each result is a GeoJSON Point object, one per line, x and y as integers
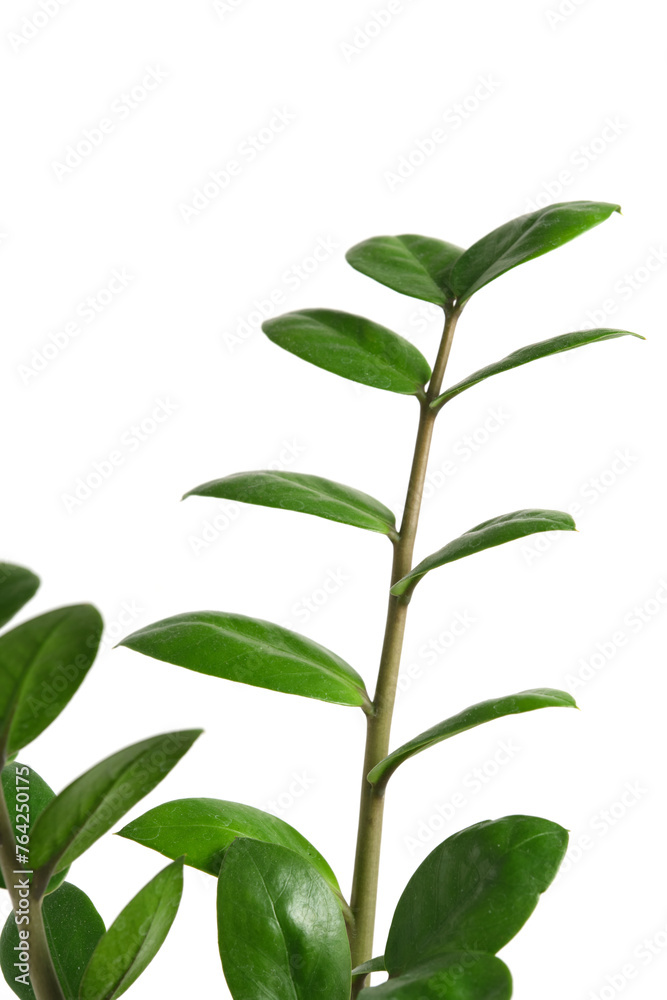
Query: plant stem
{"type": "Point", "coordinates": [367, 861]}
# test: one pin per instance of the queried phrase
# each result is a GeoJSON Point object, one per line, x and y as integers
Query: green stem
{"type": "Point", "coordinates": [367, 861]}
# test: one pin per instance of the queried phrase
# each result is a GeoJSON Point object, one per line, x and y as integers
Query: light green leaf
{"type": "Point", "coordinates": [251, 651]}
{"type": "Point", "coordinates": [201, 830]}
{"type": "Point", "coordinates": [460, 975]}
{"type": "Point", "coordinates": [522, 239]}
{"type": "Point", "coordinates": [351, 346]}
{"type": "Point", "coordinates": [17, 586]}
{"type": "Point", "coordinates": [475, 891]}
{"type": "Point", "coordinates": [469, 718]}
{"type": "Point", "coordinates": [73, 928]}
{"type": "Point", "coordinates": [281, 933]}
{"type": "Point", "coordinates": [26, 795]}
{"type": "Point", "coordinates": [91, 805]}
{"type": "Point", "coordinates": [497, 531]}
{"type": "Point", "coordinates": [134, 938]}
{"type": "Point", "coordinates": [44, 661]}
{"type": "Point", "coordinates": [413, 265]}
{"type": "Point", "coordinates": [543, 349]}
{"type": "Point", "coordinates": [372, 965]}
{"type": "Point", "coordinates": [307, 494]}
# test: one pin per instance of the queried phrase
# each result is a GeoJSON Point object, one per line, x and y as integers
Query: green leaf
{"type": "Point", "coordinates": [19, 781]}
{"type": "Point", "coordinates": [475, 891]}
{"type": "Point", "coordinates": [414, 265]}
{"type": "Point", "coordinates": [543, 349]}
{"type": "Point", "coordinates": [251, 651]}
{"type": "Point", "coordinates": [282, 935]}
{"type": "Point", "coordinates": [522, 239]}
{"type": "Point", "coordinates": [455, 976]}
{"type": "Point", "coordinates": [351, 346]}
{"type": "Point", "coordinates": [497, 531]}
{"type": "Point", "coordinates": [372, 965]}
{"type": "Point", "coordinates": [73, 928]}
{"type": "Point", "coordinates": [134, 938]}
{"type": "Point", "coordinates": [307, 494]}
{"type": "Point", "coordinates": [201, 830]}
{"type": "Point", "coordinates": [17, 586]}
{"type": "Point", "coordinates": [88, 807]}
{"type": "Point", "coordinates": [476, 715]}
{"type": "Point", "coordinates": [43, 662]}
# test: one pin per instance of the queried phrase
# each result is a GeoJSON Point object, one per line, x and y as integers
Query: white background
{"type": "Point", "coordinates": [531, 103]}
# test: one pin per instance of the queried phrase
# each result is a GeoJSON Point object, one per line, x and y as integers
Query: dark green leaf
{"type": "Point", "coordinates": [414, 265]}
{"type": "Point", "coordinates": [475, 891]}
{"type": "Point", "coordinates": [134, 938]}
{"type": "Point", "coordinates": [19, 781]}
{"type": "Point", "coordinates": [476, 715]}
{"type": "Point", "coordinates": [307, 494]}
{"type": "Point", "coordinates": [372, 965]}
{"type": "Point", "coordinates": [201, 830]}
{"type": "Point", "coordinates": [282, 935]}
{"type": "Point", "coordinates": [456, 976]}
{"type": "Point", "coordinates": [497, 531]}
{"type": "Point", "coordinates": [351, 346]}
{"type": "Point", "coordinates": [521, 240]}
{"type": "Point", "coordinates": [17, 586]}
{"type": "Point", "coordinates": [73, 928]}
{"type": "Point", "coordinates": [253, 652]}
{"type": "Point", "coordinates": [43, 662]}
{"type": "Point", "coordinates": [88, 807]}
{"type": "Point", "coordinates": [543, 349]}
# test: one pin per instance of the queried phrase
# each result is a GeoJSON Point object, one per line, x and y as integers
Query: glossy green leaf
{"type": "Point", "coordinates": [91, 805]}
{"type": "Point", "coordinates": [73, 928]}
{"type": "Point", "coordinates": [522, 239]}
{"type": "Point", "coordinates": [307, 494]}
{"type": "Point", "coordinates": [17, 586]}
{"type": "Point", "coordinates": [414, 265]}
{"type": "Point", "coordinates": [372, 965]}
{"type": "Point", "coordinates": [281, 933]}
{"type": "Point", "coordinates": [201, 830]}
{"type": "Point", "coordinates": [497, 531]}
{"type": "Point", "coordinates": [543, 349]}
{"type": "Point", "coordinates": [251, 651]}
{"type": "Point", "coordinates": [134, 938]}
{"type": "Point", "coordinates": [351, 346]}
{"type": "Point", "coordinates": [460, 975]}
{"type": "Point", "coordinates": [475, 891]}
{"type": "Point", "coordinates": [469, 718]}
{"type": "Point", "coordinates": [18, 782]}
{"type": "Point", "coordinates": [43, 663]}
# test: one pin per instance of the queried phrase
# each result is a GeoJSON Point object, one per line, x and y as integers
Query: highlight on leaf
{"type": "Point", "coordinates": [413, 265]}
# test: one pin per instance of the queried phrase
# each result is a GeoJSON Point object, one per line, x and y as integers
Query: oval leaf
{"type": "Point", "coordinates": [134, 938]}
{"type": "Point", "coordinates": [73, 928]}
{"type": "Point", "coordinates": [19, 778]}
{"type": "Point", "coordinates": [307, 494]}
{"type": "Point", "coordinates": [522, 239]}
{"type": "Point", "coordinates": [281, 932]}
{"type": "Point", "coordinates": [475, 891]}
{"type": "Point", "coordinates": [414, 265]}
{"type": "Point", "coordinates": [476, 715]}
{"type": "Point", "coordinates": [351, 346]}
{"type": "Point", "coordinates": [201, 830]}
{"type": "Point", "coordinates": [461, 975]}
{"type": "Point", "coordinates": [88, 807]}
{"type": "Point", "coordinates": [17, 586]}
{"type": "Point", "coordinates": [497, 531]}
{"type": "Point", "coordinates": [543, 349]}
{"type": "Point", "coordinates": [251, 651]}
{"type": "Point", "coordinates": [43, 662]}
